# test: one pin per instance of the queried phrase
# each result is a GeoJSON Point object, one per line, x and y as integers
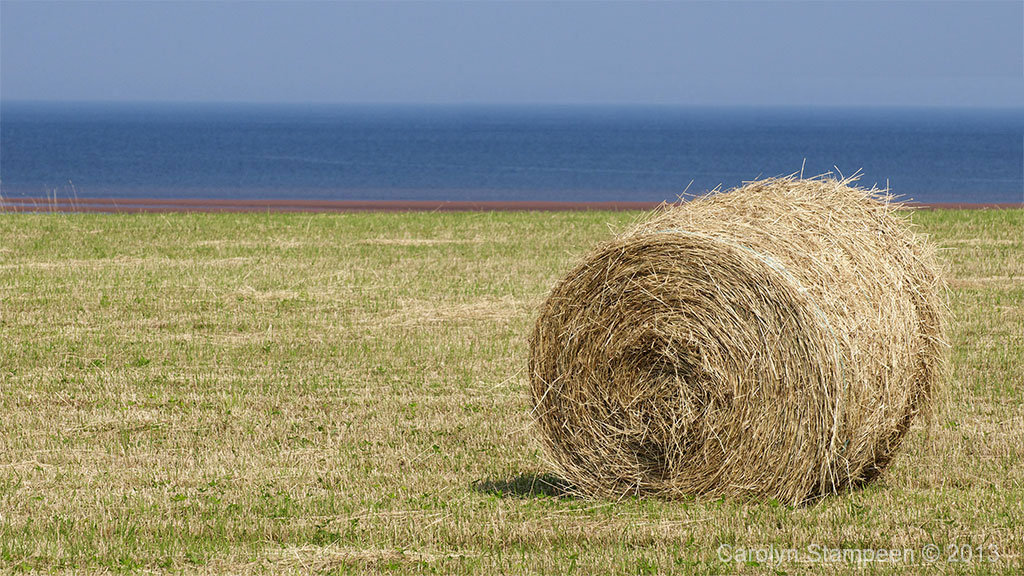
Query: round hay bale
{"type": "Point", "coordinates": [776, 340]}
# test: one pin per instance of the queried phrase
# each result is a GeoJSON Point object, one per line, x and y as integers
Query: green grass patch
{"type": "Point", "coordinates": [267, 393]}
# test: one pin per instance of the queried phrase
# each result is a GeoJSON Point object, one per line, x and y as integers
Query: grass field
{"type": "Point", "coordinates": [346, 393]}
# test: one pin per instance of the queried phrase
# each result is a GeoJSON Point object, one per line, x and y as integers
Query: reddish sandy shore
{"type": "Point", "coordinates": [24, 204]}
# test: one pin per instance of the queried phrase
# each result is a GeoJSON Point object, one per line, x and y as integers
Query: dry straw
{"type": "Point", "coordinates": [776, 340]}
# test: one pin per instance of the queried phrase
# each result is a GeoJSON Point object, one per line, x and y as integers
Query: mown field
{"type": "Point", "coordinates": [267, 393]}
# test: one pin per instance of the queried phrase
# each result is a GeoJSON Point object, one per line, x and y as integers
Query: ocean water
{"type": "Point", "coordinates": [496, 153]}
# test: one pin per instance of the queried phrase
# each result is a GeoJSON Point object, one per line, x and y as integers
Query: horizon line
{"type": "Point", "coordinates": [510, 104]}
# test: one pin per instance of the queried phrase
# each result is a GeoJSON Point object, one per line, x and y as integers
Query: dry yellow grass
{"type": "Point", "coordinates": [314, 402]}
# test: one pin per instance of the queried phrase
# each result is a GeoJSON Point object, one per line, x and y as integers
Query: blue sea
{"type": "Point", "coordinates": [564, 153]}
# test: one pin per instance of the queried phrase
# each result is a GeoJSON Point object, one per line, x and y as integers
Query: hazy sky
{"type": "Point", "coordinates": [761, 53]}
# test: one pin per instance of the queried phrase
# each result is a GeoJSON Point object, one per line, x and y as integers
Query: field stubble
{"type": "Point", "coordinates": [346, 393]}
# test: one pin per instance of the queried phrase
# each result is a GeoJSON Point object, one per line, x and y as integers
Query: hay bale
{"type": "Point", "coordinates": [776, 340]}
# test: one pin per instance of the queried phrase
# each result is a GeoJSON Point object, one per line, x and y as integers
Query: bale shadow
{"type": "Point", "coordinates": [525, 486]}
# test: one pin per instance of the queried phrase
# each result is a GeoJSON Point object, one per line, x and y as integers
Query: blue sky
{"type": "Point", "coordinates": [915, 53]}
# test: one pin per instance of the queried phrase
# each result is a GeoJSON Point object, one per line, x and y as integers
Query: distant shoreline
{"type": "Point", "coordinates": [129, 205]}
